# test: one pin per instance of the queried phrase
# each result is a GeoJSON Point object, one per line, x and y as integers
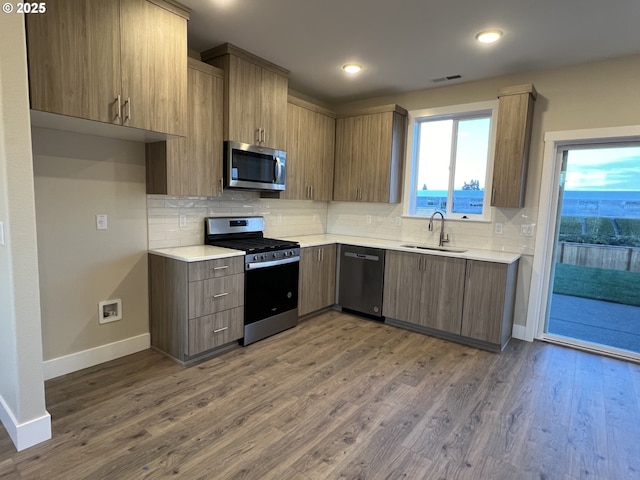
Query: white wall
{"type": "Point", "coordinates": [22, 403]}
{"type": "Point", "coordinates": [76, 177]}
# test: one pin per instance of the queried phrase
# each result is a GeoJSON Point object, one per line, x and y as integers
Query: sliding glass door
{"type": "Point", "coordinates": [594, 294]}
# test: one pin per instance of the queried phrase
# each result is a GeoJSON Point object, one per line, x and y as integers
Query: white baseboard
{"type": "Point", "coordinates": [27, 434]}
{"type": "Point", "coordinates": [88, 358]}
{"type": "Point", "coordinates": [519, 332]}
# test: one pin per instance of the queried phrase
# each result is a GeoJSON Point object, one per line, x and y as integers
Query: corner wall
{"type": "Point", "coordinates": [22, 402]}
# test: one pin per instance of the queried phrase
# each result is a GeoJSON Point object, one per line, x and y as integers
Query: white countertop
{"type": "Point", "coordinates": [471, 254]}
{"type": "Point", "coordinates": [197, 253]}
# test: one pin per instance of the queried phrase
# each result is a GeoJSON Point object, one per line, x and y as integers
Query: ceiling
{"type": "Point", "coordinates": [405, 44]}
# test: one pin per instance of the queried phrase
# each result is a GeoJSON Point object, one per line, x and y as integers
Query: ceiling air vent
{"type": "Point", "coordinates": [446, 79]}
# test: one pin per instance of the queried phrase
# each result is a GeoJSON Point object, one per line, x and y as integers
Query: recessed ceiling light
{"type": "Point", "coordinates": [489, 36]}
{"type": "Point", "coordinates": [352, 68]}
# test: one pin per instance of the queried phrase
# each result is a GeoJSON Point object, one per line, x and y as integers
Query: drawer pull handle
{"type": "Point", "coordinates": [218, 330]}
{"type": "Point", "coordinates": [218, 295]}
{"type": "Point", "coordinates": [220, 268]}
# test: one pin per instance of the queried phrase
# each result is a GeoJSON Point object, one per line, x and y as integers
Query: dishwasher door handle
{"type": "Point", "coordinates": [375, 258]}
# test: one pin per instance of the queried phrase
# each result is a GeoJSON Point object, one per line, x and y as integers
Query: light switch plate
{"type": "Point", "coordinates": [101, 221]}
{"type": "Point", "coordinates": [183, 220]}
{"type": "Point", "coordinates": [498, 228]}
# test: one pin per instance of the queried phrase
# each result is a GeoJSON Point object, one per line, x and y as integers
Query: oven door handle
{"type": "Point", "coordinates": [273, 263]}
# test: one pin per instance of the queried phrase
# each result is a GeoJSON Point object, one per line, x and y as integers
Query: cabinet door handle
{"type": "Point", "coordinates": [218, 330]}
{"type": "Point", "coordinates": [311, 189]}
{"type": "Point", "coordinates": [221, 267]}
{"type": "Point", "coordinates": [263, 136]}
{"type": "Point", "coordinates": [221, 186]}
{"type": "Point", "coordinates": [420, 263]}
{"type": "Point", "coordinates": [119, 107]}
{"type": "Point", "coordinates": [322, 254]}
{"type": "Point", "coordinates": [127, 104]}
{"type": "Point", "coordinates": [493, 196]}
{"type": "Point", "coordinates": [218, 295]}
{"type": "Point", "coordinates": [257, 135]}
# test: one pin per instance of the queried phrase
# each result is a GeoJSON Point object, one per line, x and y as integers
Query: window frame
{"type": "Point", "coordinates": [415, 117]}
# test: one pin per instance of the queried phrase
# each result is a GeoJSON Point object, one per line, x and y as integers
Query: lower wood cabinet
{"type": "Point", "coordinates": [317, 281]}
{"type": "Point", "coordinates": [469, 301]}
{"type": "Point", "coordinates": [195, 307]}
{"type": "Point", "coordinates": [489, 301]}
{"type": "Point", "coordinates": [425, 290]}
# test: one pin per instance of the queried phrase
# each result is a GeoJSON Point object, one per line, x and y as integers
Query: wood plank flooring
{"type": "Point", "coordinates": [340, 397]}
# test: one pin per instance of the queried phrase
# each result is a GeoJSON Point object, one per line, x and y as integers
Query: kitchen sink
{"type": "Point", "coordinates": [437, 249]}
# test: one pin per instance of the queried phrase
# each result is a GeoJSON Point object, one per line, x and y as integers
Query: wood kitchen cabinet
{"type": "Point", "coordinates": [425, 290]}
{"type": "Point", "coordinates": [317, 282]}
{"type": "Point", "coordinates": [255, 106]}
{"type": "Point", "coordinates": [192, 166]}
{"type": "Point", "coordinates": [118, 62]}
{"type": "Point", "coordinates": [513, 136]}
{"type": "Point", "coordinates": [369, 155]}
{"type": "Point", "coordinates": [195, 307]}
{"type": "Point", "coordinates": [489, 300]}
{"type": "Point", "coordinates": [311, 132]}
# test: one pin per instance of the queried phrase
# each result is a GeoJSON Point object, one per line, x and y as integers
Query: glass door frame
{"type": "Point", "coordinates": [541, 278]}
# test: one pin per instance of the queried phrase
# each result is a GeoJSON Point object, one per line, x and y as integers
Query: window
{"type": "Point", "coordinates": [450, 161]}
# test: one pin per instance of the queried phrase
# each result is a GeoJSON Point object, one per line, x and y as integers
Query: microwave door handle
{"type": "Point", "coordinates": [278, 170]}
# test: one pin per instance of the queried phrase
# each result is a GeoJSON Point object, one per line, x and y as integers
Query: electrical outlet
{"type": "Point", "coordinates": [279, 218]}
{"type": "Point", "coordinates": [398, 221]}
{"type": "Point", "coordinates": [368, 219]}
{"type": "Point", "coordinates": [183, 220]}
{"type": "Point", "coordinates": [498, 228]}
{"type": "Point", "coordinates": [526, 230]}
{"type": "Point", "coordinates": [101, 221]}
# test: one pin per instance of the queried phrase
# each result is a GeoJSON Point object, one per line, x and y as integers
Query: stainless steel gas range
{"type": "Point", "coordinates": [271, 274]}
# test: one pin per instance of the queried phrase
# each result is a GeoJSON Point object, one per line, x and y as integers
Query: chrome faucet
{"type": "Point", "coordinates": [443, 239]}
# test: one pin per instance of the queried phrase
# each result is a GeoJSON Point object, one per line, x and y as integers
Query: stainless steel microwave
{"type": "Point", "coordinates": [254, 167]}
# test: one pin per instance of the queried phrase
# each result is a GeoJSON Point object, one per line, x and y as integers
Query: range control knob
{"type": "Point", "coordinates": [286, 254]}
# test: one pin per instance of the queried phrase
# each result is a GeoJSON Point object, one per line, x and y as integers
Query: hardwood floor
{"type": "Point", "coordinates": [340, 397]}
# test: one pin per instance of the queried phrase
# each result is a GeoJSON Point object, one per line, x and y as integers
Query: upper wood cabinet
{"type": "Point", "coordinates": [369, 155]}
{"type": "Point", "coordinates": [192, 166]}
{"type": "Point", "coordinates": [255, 106]}
{"type": "Point", "coordinates": [311, 132]}
{"type": "Point", "coordinates": [515, 116]}
{"type": "Point", "coordinates": [118, 62]}
{"type": "Point", "coordinates": [425, 290]}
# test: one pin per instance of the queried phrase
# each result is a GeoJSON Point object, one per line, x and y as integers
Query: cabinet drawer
{"type": "Point", "coordinates": [212, 331]}
{"type": "Point", "coordinates": [215, 268]}
{"type": "Point", "coordinates": [215, 294]}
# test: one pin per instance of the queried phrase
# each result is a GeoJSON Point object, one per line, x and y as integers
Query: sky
{"type": "Point", "coordinates": [603, 169]}
{"type": "Point", "coordinates": [435, 147]}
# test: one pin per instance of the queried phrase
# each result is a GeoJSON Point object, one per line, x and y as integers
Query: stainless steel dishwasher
{"type": "Point", "coordinates": [360, 280]}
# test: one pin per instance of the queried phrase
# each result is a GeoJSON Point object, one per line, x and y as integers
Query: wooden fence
{"type": "Point", "coordinates": [599, 256]}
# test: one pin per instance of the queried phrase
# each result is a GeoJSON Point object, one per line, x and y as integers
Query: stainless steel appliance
{"type": "Point", "coordinates": [254, 167]}
{"type": "Point", "coordinates": [361, 276]}
{"type": "Point", "coordinates": [271, 274]}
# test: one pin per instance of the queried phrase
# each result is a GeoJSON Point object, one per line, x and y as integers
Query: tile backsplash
{"type": "Point", "coordinates": [386, 221]}
{"type": "Point", "coordinates": [285, 218]}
